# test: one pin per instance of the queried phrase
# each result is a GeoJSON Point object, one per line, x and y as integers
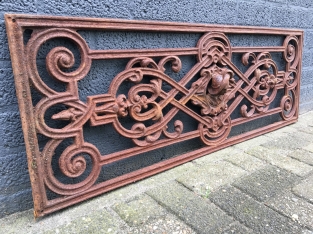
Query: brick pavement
{"type": "Point", "coordinates": [264, 185]}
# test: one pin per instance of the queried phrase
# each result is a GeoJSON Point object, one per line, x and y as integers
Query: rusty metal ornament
{"type": "Point", "coordinates": [214, 90]}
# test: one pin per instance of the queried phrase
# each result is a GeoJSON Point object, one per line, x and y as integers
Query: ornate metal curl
{"type": "Point", "coordinates": [209, 93]}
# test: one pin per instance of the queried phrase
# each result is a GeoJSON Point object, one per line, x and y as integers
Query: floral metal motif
{"type": "Point", "coordinates": [214, 84]}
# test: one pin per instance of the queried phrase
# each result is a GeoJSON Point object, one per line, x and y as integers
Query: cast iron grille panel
{"type": "Point", "coordinates": [143, 103]}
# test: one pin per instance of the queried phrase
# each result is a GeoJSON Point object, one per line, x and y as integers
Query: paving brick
{"type": "Point", "coordinates": [139, 210]}
{"type": "Point", "coordinates": [251, 213]}
{"type": "Point", "coordinates": [237, 227]}
{"type": "Point", "coordinates": [218, 155]}
{"type": "Point", "coordinates": [280, 159]}
{"type": "Point", "coordinates": [306, 118]}
{"type": "Point", "coordinates": [304, 136]}
{"type": "Point", "coordinates": [309, 147]}
{"type": "Point", "coordinates": [197, 212]}
{"type": "Point", "coordinates": [305, 231]}
{"type": "Point", "coordinates": [295, 140]}
{"type": "Point", "coordinates": [295, 208]}
{"type": "Point", "coordinates": [252, 142]}
{"type": "Point", "coordinates": [305, 189]}
{"type": "Point", "coordinates": [280, 132]}
{"type": "Point", "coordinates": [246, 161]}
{"type": "Point", "coordinates": [302, 155]}
{"type": "Point", "coordinates": [208, 177]}
{"type": "Point", "coordinates": [266, 183]}
{"type": "Point", "coordinates": [129, 192]}
{"type": "Point", "coordinates": [96, 222]}
{"type": "Point", "coordinates": [166, 176]}
{"type": "Point", "coordinates": [166, 224]}
{"type": "Point", "coordinates": [17, 222]}
{"type": "Point", "coordinates": [301, 127]}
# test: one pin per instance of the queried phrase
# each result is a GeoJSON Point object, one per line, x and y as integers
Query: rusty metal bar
{"type": "Point", "coordinates": [209, 93]}
{"type": "Point", "coordinates": [113, 54]}
{"type": "Point", "coordinates": [136, 25]}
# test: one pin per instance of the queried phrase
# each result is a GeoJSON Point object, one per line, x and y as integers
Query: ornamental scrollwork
{"type": "Point", "coordinates": [144, 102]}
{"type": "Point", "coordinates": [216, 91]}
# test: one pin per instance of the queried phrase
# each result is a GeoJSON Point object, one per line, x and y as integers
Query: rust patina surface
{"type": "Point", "coordinates": [210, 92]}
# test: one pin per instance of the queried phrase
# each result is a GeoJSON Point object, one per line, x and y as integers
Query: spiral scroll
{"type": "Point", "coordinates": [288, 105]}
{"type": "Point", "coordinates": [58, 58]}
{"type": "Point", "coordinates": [72, 164]}
{"type": "Point", "coordinates": [216, 131]}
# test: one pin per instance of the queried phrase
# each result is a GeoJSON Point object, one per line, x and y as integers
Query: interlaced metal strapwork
{"type": "Point", "coordinates": [208, 93]}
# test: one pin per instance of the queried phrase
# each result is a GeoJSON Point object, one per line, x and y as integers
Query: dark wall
{"type": "Point", "coordinates": [15, 191]}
